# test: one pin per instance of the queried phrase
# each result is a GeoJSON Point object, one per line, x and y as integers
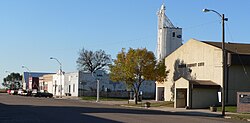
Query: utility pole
{"type": "Point", "coordinates": [60, 76]}
{"type": "Point", "coordinates": [224, 60]}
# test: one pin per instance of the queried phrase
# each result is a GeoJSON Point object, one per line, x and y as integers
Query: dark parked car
{"type": "Point", "coordinates": [43, 94]}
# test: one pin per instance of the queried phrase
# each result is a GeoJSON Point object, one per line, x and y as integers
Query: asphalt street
{"type": "Point", "coordinates": [19, 109]}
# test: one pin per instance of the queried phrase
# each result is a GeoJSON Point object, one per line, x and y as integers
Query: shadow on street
{"type": "Point", "coordinates": [52, 114]}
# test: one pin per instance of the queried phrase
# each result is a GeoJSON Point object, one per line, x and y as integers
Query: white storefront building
{"type": "Point", "coordinates": [84, 84]}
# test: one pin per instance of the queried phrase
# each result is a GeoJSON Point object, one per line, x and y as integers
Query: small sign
{"type": "Point", "coordinates": [219, 96]}
{"type": "Point", "coordinates": [243, 102]}
{"type": "Point", "coordinates": [244, 98]}
{"type": "Point", "coordinates": [98, 74]}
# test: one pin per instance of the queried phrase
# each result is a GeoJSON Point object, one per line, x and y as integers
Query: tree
{"type": "Point", "coordinates": [91, 61]}
{"type": "Point", "coordinates": [12, 81]}
{"type": "Point", "coordinates": [135, 66]}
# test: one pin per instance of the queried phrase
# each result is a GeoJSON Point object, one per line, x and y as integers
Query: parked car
{"type": "Point", "coordinates": [13, 92]}
{"type": "Point", "coordinates": [20, 91]}
{"type": "Point", "coordinates": [24, 93]}
{"type": "Point", "coordinates": [28, 93]}
{"type": "Point", "coordinates": [8, 91]}
{"type": "Point", "coordinates": [43, 94]}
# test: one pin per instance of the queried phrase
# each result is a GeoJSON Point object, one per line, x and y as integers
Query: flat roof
{"type": "Point", "coordinates": [238, 48]}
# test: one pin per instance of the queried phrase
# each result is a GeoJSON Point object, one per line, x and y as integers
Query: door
{"type": "Point", "coordinates": [160, 94]}
{"type": "Point", "coordinates": [69, 88]}
{"type": "Point", "coordinates": [181, 98]}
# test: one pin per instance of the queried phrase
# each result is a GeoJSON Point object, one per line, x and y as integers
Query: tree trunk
{"type": "Point", "coordinates": [137, 88]}
{"type": "Point", "coordinates": [136, 97]}
{"type": "Point", "coordinates": [135, 93]}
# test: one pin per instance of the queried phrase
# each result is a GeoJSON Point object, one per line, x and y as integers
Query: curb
{"type": "Point", "coordinates": [135, 107]}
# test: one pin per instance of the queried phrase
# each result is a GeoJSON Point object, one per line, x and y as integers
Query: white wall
{"type": "Point", "coordinates": [50, 87]}
{"type": "Point", "coordinates": [58, 80]}
{"type": "Point", "coordinates": [84, 81]}
{"type": "Point", "coordinates": [167, 42]}
{"type": "Point", "coordinates": [71, 83]}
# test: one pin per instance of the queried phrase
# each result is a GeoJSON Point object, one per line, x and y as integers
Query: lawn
{"type": "Point", "coordinates": [103, 99]}
{"type": "Point", "coordinates": [240, 116]}
{"type": "Point", "coordinates": [228, 109]}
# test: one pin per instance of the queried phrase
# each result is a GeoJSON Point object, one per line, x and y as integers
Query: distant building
{"type": "Point", "coordinates": [169, 37]}
{"type": "Point", "coordinates": [31, 80]}
{"type": "Point", "coordinates": [84, 84]}
{"type": "Point", "coordinates": [195, 74]}
{"type": "Point", "coordinates": [46, 83]}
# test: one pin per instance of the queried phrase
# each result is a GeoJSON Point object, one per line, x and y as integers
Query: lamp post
{"type": "Point", "coordinates": [97, 74]}
{"type": "Point", "coordinates": [81, 88]}
{"type": "Point", "coordinates": [28, 76]}
{"type": "Point", "coordinates": [60, 74]}
{"type": "Point", "coordinates": [223, 19]}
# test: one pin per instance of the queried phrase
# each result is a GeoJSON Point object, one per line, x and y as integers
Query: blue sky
{"type": "Point", "coordinates": [31, 31]}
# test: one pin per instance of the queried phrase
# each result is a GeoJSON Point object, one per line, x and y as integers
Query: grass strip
{"type": "Point", "coordinates": [103, 99]}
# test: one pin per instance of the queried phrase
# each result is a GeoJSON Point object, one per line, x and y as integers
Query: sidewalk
{"type": "Point", "coordinates": [182, 111]}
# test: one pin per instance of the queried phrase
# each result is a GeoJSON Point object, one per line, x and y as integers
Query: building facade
{"type": "Point", "coordinates": [31, 79]}
{"type": "Point", "coordinates": [46, 83]}
{"type": "Point", "coordinates": [84, 84]}
{"type": "Point", "coordinates": [195, 74]}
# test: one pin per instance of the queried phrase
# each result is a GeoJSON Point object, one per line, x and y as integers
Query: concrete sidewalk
{"type": "Point", "coordinates": [184, 111]}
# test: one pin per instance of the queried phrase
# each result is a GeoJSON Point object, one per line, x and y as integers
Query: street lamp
{"type": "Point", "coordinates": [60, 74]}
{"type": "Point", "coordinates": [28, 76]}
{"type": "Point", "coordinates": [97, 74]}
{"type": "Point", "coordinates": [223, 19]}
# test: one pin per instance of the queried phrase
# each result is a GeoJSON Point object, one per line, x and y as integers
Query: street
{"type": "Point", "coordinates": [19, 109]}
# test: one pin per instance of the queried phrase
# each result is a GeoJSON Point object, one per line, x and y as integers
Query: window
{"type": "Point", "coordinates": [173, 34]}
{"type": "Point", "coordinates": [201, 64]}
{"type": "Point", "coordinates": [73, 87]}
{"type": "Point", "coordinates": [192, 65]}
{"type": "Point", "coordinates": [178, 36]}
{"type": "Point", "coordinates": [182, 66]}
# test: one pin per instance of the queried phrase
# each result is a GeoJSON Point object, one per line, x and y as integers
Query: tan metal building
{"type": "Point", "coordinates": [195, 74]}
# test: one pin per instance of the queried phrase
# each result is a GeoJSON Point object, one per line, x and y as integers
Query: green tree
{"type": "Point", "coordinates": [136, 66]}
{"type": "Point", "coordinates": [12, 81]}
{"type": "Point", "coordinates": [91, 61]}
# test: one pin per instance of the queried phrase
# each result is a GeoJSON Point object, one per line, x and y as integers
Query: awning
{"type": "Point", "coordinates": [203, 84]}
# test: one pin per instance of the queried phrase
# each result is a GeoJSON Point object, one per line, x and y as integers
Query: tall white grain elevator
{"type": "Point", "coordinates": [169, 37]}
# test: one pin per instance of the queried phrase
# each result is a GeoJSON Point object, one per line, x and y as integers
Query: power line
{"type": "Point", "coordinates": [243, 66]}
{"type": "Point", "coordinates": [199, 25]}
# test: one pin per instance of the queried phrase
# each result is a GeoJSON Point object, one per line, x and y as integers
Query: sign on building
{"type": "Point", "coordinates": [243, 102]}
